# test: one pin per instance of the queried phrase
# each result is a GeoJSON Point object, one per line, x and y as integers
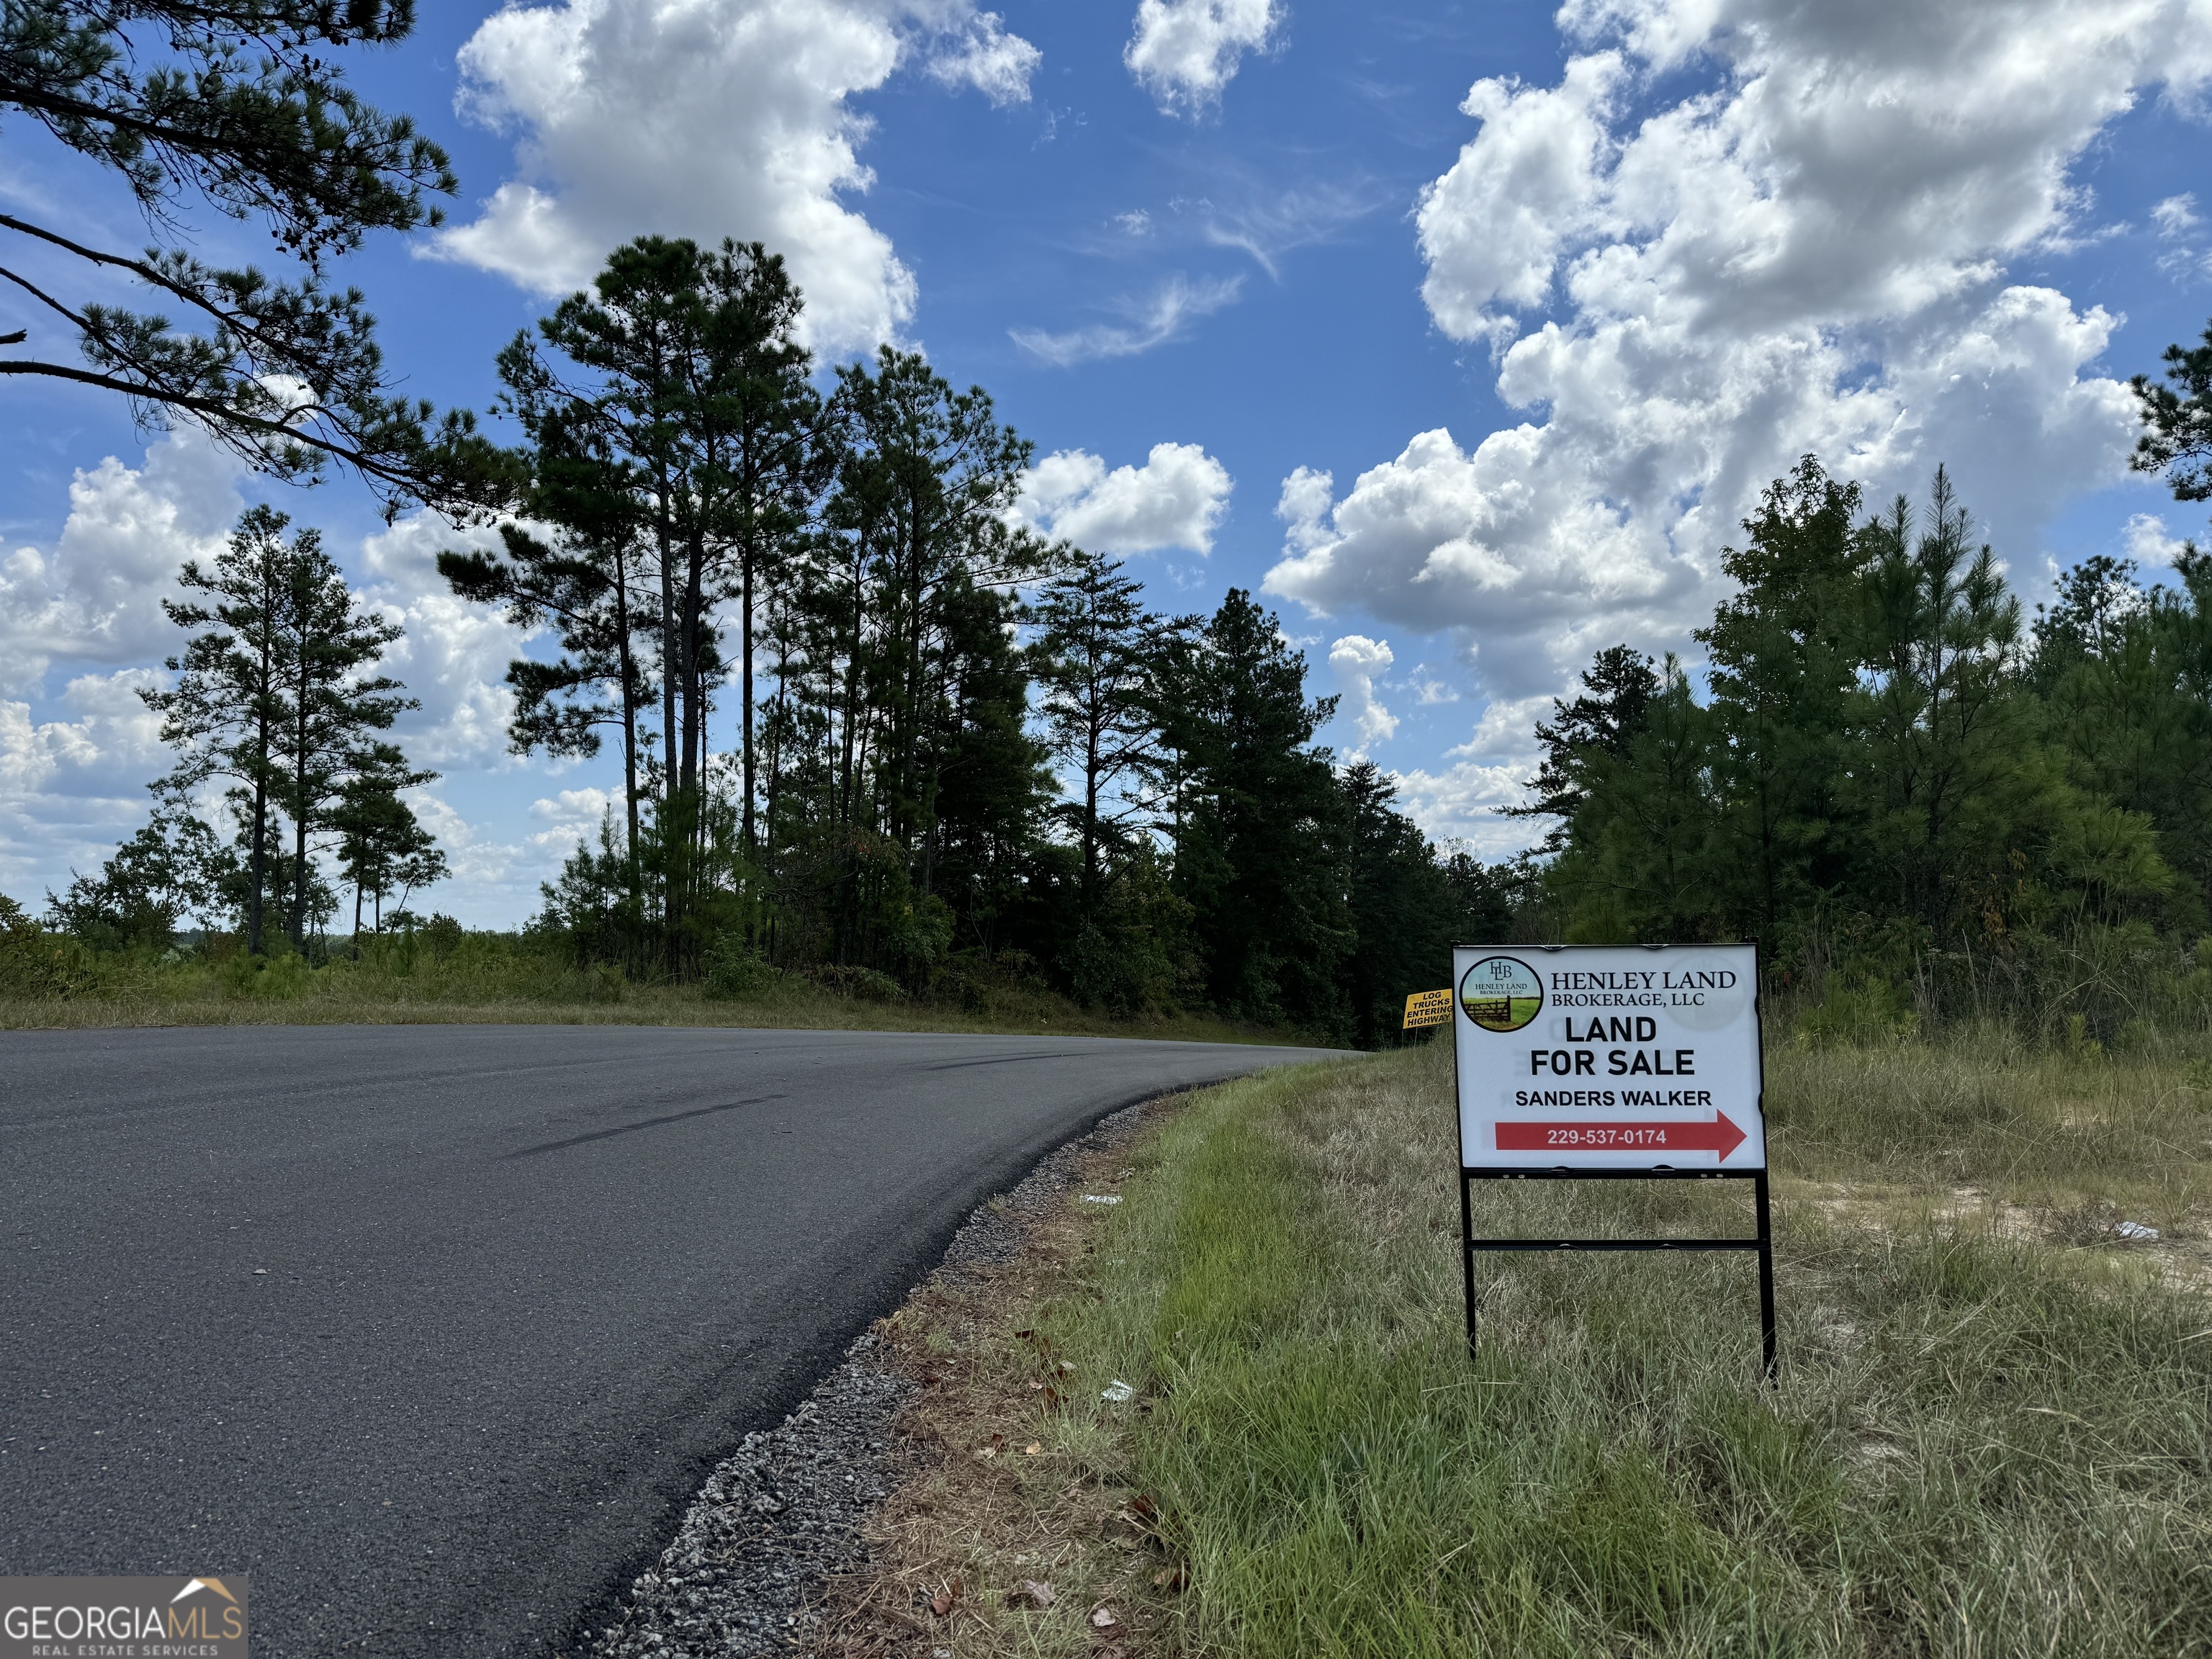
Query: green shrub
{"type": "Point", "coordinates": [861, 984]}
{"type": "Point", "coordinates": [730, 968]}
{"type": "Point", "coordinates": [1858, 1008]}
{"type": "Point", "coordinates": [34, 962]}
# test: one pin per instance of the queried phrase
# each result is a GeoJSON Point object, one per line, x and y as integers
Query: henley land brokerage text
{"type": "Point", "coordinates": [1638, 988]}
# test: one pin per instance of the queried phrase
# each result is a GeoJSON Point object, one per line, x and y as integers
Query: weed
{"type": "Point", "coordinates": [1983, 1440]}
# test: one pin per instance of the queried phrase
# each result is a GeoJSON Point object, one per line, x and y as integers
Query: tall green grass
{"type": "Point", "coordinates": [446, 974]}
{"type": "Point", "coordinates": [1981, 1442]}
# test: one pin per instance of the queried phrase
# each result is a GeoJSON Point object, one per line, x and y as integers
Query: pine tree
{"type": "Point", "coordinates": [238, 105]}
{"type": "Point", "coordinates": [382, 845]}
{"type": "Point", "coordinates": [1642, 849]}
{"type": "Point", "coordinates": [1259, 852]}
{"type": "Point", "coordinates": [1401, 907]}
{"type": "Point", "coordinates": [585, 581]}
{"type": "Point", "coordinates": [328, 703]}
{"type": "Point", "coordinates": [1094, 654]}
{"type": "Point", "coordinates": [2177, 419]}
{"type": "Point", "coordinates": [2128, 682]}
{"type": "Point", "coordinates": [1782, 671]}
{"type": "Point", "coordinates": [1618, 688]}
{"type": "Point", "coordinates": [769, 456]}
{"type": "Point", "coordinates": [1946, 748]}
{"type": "Point", "coordinates": [680, 372]}
{"type": "Point", "coordinates": [927, 477]}
{"type": "Point", "coordinates": [989, 804]}
{"type": "Point", "coordinates": [227, 706]}
{"type": "Point", "coordinates": [631, 347]}
{"type": "Point", "coordinates": [273, 695]}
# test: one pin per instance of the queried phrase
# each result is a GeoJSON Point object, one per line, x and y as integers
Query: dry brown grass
{"type": "Point", "coordinates": [1018, 1524]}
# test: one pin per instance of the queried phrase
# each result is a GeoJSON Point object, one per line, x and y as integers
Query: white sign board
{"type": "Point", "coordinates": [1608, 1057]}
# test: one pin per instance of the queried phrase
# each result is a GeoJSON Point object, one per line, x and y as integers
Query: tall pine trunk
{"type": "Point", "coordinates": [749, 564]}
{"type": "Point", "coordinates": [670, 678]}
{"type": "Point", "coordinates": [628, 664]}
{"type": "Point", "coordinates": [253, 903]}
{"type": "Point", "coordinates": [301, 716]}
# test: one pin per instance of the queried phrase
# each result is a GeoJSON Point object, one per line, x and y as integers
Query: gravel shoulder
{"type": "Point", "coordinates": [785, 1518]}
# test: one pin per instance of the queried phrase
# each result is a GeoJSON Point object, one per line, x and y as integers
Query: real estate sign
{"type": "Point", "coordinates": [1608, 1057]}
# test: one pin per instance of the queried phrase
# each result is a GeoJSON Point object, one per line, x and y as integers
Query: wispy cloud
{"type": "Point", "coordinates": [1268, 230]}
{"type": "Point", "coordinates": [1429, 689]}
{"type": "Point", "coordinates": [1172, 308]}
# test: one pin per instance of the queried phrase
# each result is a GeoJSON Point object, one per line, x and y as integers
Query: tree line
{"type": "Point", "coordinates": [872, 728]}
{"type": "Point", "coordinates": [867, 725]}
{"type": "Point", "coordinates": [1884, 764]}
{"type": "Point", "coordinates": [830, 572]}
{"type": "Point", "coordinates": [1888, 767]}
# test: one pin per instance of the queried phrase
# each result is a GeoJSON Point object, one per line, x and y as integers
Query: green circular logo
{"type": "Point", "coordinates": [1501, 993]}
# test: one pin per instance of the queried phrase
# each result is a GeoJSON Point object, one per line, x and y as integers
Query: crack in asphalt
{"type": "Point", "coordinates": [995, 1059]}
{"type": "Point", "coordinates": [644, 1123]}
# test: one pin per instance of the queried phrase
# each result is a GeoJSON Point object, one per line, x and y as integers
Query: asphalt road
{"type": "Point", "coordinates": [435, 1329]}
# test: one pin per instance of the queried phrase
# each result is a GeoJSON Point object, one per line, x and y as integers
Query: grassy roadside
{"type": "Point", "coordinates": [1993, 1434]}
{"type": "Point", "coordinates": [479, 982]}
{"type": "Point", "coordinates": [809, 1012]}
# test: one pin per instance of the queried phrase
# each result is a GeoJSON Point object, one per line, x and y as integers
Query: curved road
{"type": "Point", "coordinates": [435, 1329]}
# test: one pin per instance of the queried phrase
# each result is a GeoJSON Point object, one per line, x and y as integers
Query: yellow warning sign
{"type": "Point", "coordinates": [1428, 1008]}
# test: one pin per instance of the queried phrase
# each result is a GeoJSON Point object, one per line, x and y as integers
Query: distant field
{"type": "Point", "coordinates": [1992, 1433]}
{"type": "Point", "coordinates": [1503, 1013]}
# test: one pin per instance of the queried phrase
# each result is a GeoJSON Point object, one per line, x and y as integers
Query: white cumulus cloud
{"type": "Point", "coordinates": [1806, 250]}
{"type": "Point", "coordinates": [1185, 52]}
{"type": "Point", "coordinates": [71, 787]}
{"type": "Point", "coordinates": [572, 813]}
{"type": "Point", "coordinates": [711, 119]}
{"type": "Point", "coordinates": [1460, 803]}
{"type": "Point", "coordinates": [1492, 227]}
{"type": "Point", "coordinates": [95, 596]}
{"type": "Point", "coordinates": [1173, 501]}
{"type": "Point", "coordinates": [1358, 662]}
{"type": "Point", "coordinates": [1486, 543]}
{"type": "Point", "coordinates": [2147, 543]}
{"type": "Point", "coordinates": [74, 768]}
{"type": "Point", "coordinates": [454, 653]}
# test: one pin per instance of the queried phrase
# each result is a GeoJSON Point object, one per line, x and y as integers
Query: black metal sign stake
{"type": "Point", "coordinates": [1763, 1242]}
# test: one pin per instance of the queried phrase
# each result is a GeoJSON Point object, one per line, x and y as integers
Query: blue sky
{"type": "Point", "coordinates": [1466, 331]}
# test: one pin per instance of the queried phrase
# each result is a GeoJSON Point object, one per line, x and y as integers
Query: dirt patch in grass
{"type": "Point", "coordinates": [1018, 1530]}
{"type": "Point", "coordinates": [994, 1526]}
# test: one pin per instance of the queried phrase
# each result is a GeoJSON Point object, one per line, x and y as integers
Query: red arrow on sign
{"type": "Point", "coordinates": [1719, 1136]}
